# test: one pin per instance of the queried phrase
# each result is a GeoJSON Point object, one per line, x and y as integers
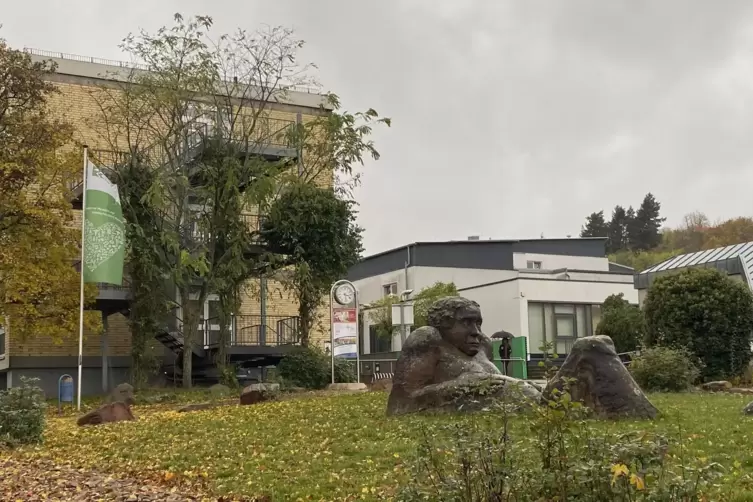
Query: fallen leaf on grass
{"type": "Point", "coordinates": [42, 479]}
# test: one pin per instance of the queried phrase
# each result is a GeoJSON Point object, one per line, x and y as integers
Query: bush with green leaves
{"type": "Point", "coordinates": [22, 414]}
{"type": "Point", "coordinates": [662, 369]}
{"type": "Point", "coordinates": [559, 455]}
{"type": "Point", "coordinates": [310, 368]}
{"type": "Point", "coordinates": [623, 323]}
{"type": "Point", "coordinates": [706, 312]}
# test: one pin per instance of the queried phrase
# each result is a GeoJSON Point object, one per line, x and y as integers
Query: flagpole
{"type": "Point", "coordinates": [81, 292]}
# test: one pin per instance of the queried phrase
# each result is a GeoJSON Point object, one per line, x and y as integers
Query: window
{"type": "Point", "coordinates": [389, 289]}
{"type": "Point", "coordinates": [533, 264]}
{"type": "Point", "coordinates": [378, 343]}
{"type": "Point", "coordinates": [560, 324]}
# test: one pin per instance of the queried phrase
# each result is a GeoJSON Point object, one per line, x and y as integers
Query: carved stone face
{"type": "Point", "coordinates": [465, 332]}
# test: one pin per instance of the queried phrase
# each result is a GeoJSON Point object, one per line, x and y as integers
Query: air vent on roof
{"type": "Point", "coordinates": [474, 237]}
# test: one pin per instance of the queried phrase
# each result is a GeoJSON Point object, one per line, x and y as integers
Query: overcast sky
{"type": "Point", "coordinates": [511, 118]}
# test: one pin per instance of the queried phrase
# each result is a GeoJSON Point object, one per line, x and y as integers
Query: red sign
{"type": "Point", "coordinates": [343, 315]}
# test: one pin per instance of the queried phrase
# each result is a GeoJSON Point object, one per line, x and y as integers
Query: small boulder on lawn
{"type": "Point", "coordinates": [381, 385]}
{"type": "Point", "coordinates": [259, 392]}
{"type": "Point", "coordinates": [601, 382]}
{"type": "Point", "coordinates": [748, 410]}
{"type": "Point", "coordinates": [219, 390]}
{"type": "Point", "coordinates": [123, 393]}
{"type": "Point", "coordinates": [112, 412]}
{"type": "Point", "coordinates": [719, 386]}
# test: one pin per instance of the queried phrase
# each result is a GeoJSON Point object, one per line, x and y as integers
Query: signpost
{"type": "Point", "coordinates": [65, 391]}
{"type": "Point", "coordinates": [344, 338]}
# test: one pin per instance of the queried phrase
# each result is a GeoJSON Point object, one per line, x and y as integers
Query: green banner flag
{"type": "Point", "coordinates": [104, 230]}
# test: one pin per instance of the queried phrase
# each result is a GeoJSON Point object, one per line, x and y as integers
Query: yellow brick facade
{"type": "Point", "coordinates": [77, 104]}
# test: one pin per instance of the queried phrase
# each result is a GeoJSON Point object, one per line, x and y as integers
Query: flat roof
{"type": "Point", "coordinates": [492, 254]}
{"type": "Point", "coordinates": [479, 241]}
{"type": "Point", "coordinates": [119, 71]}
{"type": "Point", "coordinates": [734, 259]}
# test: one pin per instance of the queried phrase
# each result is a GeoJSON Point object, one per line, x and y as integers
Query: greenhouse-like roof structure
{"type": "Point", "coordinates": [736, 259]}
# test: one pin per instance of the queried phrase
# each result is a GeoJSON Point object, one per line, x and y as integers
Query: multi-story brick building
{"type": "Point", "coordinates": [263, 329]}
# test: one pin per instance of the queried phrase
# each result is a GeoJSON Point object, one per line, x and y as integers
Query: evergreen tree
{"type": "Point", "coordinates": [595, 226]}
{"type": "Point", "coordinates": [617, 230]}
{"type": "Point", "coordinates": [647, 223]}
{"type": "Point", "coordinates": [632, 230]}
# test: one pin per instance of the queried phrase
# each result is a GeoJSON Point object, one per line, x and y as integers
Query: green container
{"type": "Point", "coordinates": [517, 365]}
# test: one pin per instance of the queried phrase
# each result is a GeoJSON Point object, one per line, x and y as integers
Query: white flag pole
{"type": "Point", "coordinates": [81, 292]}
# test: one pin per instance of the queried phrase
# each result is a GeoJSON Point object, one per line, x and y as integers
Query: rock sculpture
{"type": "Point", "coordinates": [447, 365]}
{"type": "Point", "coordinates": [112, 412]}
{"type": "Point", "coordinates": [123, 393]}
{"type": "Point", "coordinates": [600, 381]}
{"type": "Point", "coordinates": [259, 392]}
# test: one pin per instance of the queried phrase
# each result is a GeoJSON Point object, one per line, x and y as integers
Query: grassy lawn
{"type": "Point", "coordinates": [339, 447]}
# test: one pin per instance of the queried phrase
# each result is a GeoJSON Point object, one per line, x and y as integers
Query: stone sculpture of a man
{"type": "Point", "coordinates": [447, 365]}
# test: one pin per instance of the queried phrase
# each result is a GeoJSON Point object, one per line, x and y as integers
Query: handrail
{"type": "Point", "coordinates": [135, 65]}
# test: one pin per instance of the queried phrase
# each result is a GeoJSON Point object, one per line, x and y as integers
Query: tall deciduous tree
{"type": "Point", "coordinates": [39, 286]}
{"type": "Point", "coordinates": [199, 118]}
{"type": "Point", "coordinates": [595, 226]}
{"type": "Point", "coordinates": [317, 233]}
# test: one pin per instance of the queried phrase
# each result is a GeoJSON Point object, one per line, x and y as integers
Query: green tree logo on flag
{"type": "Point", "coordinates": [104, 230]}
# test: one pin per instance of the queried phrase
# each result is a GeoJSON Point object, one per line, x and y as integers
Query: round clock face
{"type": "Point", "coordinates": [344, 294]}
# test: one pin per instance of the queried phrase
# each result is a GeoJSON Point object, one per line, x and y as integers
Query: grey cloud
{"type": "Point", "coordinates": [511, 118]}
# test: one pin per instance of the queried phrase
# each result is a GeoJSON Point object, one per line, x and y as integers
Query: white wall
{"type": "Point", "coordinates": [556, 261]}
{"type": "Point", "coordinates": [572, 291]}
{"type": "Point", "coordinates": [500, 306]}
{"type": "Point", "coordinates": [461, 277]}
{"type": "Point", "coordinates": [370, 289]}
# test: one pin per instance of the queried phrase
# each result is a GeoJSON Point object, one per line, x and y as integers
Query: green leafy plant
{"type": "Point", "coordinates": [380, 314]}
{"type": "Point", "coordinates": [623, 323]}
{"type": "Point", "coordinates": [664, 369]}
{"type": "Point", "coordinates": [706, 312]}
{"type": "Point", "coordinates": [310, 368]}
{"type": "Point", "coordinates": [22, 414]}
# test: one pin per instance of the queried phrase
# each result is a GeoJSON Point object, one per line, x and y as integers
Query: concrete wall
{"type": "Point", "coordinates": [501, 306]}
{"type": "Point", "coordinates": [49, 369]}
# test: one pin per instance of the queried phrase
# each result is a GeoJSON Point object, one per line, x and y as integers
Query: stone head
{"type": "Point", "coordinates": [458, 320]}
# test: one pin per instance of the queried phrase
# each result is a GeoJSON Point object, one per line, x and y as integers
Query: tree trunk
{"type": "Point", "coordinates": [190, 322]}
{"type": "Point", "coordinates": [306, 319]}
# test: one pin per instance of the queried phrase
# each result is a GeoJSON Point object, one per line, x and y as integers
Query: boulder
{"type": "Point", "coordinates": [748, 410]}
{"type": "Point", "coordinates": [718, 386]}
{"type": "Point", "coordinates": [740, 390]}
{"type": "Point", "coordinates": [112, 412]}
{"type": "Point", "coordinates": [195, 407]}
{"type": "Point", "coordinates": [347, 386]}
{"type": "Point", "coordinates": [219, 390]}
{"type": "Point", "coordinates": [123, 393]}
{"type": "Point", "coordinates": [601, 382]}
{"type": "Point", "coordinates": [382, 385]}
{"type": "Point", "coordinates": [258, 392]}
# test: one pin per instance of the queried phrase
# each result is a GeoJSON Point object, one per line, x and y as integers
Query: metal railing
{"type": "Point", "coordinates": [267, 330]}
{"type": "Point", "coordinates": [139, 66]}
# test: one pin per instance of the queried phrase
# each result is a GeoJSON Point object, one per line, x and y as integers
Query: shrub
{"type": "Point", "coordinates": [310, 367]}
{"type": "Point", "coordinates": [664, 369]}
{"type": "Point", "coordinates": [22, 414]}
{"type": "Point", "coordinates": [562, 457]}
{"type": "Point", "coordinates": [623, 323]}
{"type": "Point", "coordinates": [707, 312]}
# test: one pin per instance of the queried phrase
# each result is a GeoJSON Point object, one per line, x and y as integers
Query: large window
{"type": "Point", "coordinates": [378, 343]}
{"type": "Point", "coordinates": [560, 324]}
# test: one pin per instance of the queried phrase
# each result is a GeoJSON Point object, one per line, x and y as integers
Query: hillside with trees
{"type": "Point", "coordinates": [636, 238]}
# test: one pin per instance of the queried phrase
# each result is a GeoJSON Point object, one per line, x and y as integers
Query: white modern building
{"type": "Point", "coordinates": [543, 289]}
{"type": "Point", "coordinates": [736, 261]}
